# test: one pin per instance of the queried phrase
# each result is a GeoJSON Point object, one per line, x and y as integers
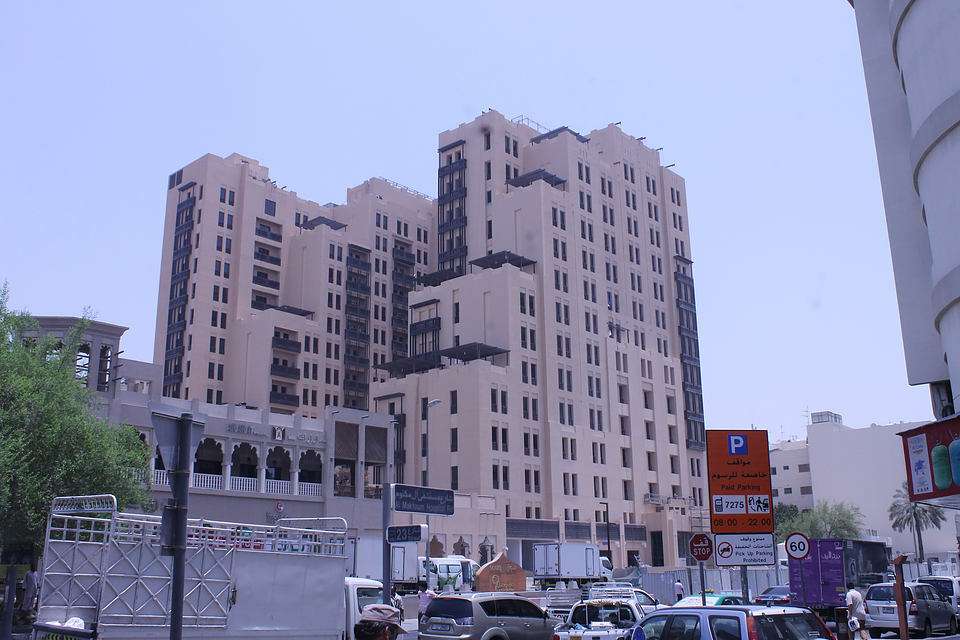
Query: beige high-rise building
{"type": "Point", "coordinates": [559, 339]}
{"type": "Point", "coordinates": [277, 302]}
{"type": "Point", "coordinates": [544, 300]}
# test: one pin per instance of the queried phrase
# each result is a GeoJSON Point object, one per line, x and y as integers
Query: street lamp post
{"type": "Point", "coordinates": [606, 510]}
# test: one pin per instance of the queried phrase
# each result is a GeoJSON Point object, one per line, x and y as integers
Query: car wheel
{"type": "Point", "coordinates": [927, 629]}
{"type": "Point", "coordinates": [876, 633]}
{"type": "Point", "coordinates": [953, 626]}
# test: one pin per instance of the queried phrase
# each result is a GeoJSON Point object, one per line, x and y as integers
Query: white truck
{"type": "Point", "coordinates": [609, 613]}
{"type": "Point", "coordinates": [103, 569]}
{"type": "Point", "coordinates": [579, 561]}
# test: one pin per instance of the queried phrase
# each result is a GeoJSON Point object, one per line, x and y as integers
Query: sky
{"type": "Point", "coordinates": [761, 105]}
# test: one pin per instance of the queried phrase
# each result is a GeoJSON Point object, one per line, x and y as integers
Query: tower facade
{"type": "Point", "coordinates": [559, 336]}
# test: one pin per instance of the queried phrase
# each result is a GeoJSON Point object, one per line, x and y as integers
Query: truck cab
{"type": "Point", "coordinates": [457, 572]}
{"type": "Point", "coordinates": [358, 593]}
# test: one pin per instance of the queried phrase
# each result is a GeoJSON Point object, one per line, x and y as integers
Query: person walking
{"type": "Point", "coordinates": [424, 596]}
{"type": "Point", "coordinates": [678, 590]}
{"type": "Point", "coordinates": [396, 601]}
{"type": "Point", "coordinates": [31, 586]}
{"type": "Point", "coordinates": [856, 612]}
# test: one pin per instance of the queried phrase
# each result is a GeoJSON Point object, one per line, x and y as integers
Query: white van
{"type": "Point", "coordinates": [457, 572]}
{"type": "Point", "coordinates": [948, 586]}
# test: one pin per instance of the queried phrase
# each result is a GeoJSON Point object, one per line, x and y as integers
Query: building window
{"type": "Point", "coordinates": [453, 402]}
{"type": "Point", "coordinates": [803, 468]}
{"type": "Point", "coordinates": [270, 207]}
{"type": "Point", "coordinates": [454, 440]}
{"type": "Point", "coordinates": [787, 491]}
{"type": "Point", "coordinates": [454, 478]}
{"type": "Point", "coordinates": [806, 491]}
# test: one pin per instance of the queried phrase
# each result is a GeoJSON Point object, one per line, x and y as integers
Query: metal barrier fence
{"type": "Point", "coordinates": [661, 584]}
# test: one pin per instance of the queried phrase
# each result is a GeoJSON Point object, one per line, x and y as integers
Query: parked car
{"type": "Point", "coordinates": [927, 610]}
{"type": "Point", "coordinates": [948, 586]}
{"type": "Point", "coordinates": [712, 599]}
{"type": "Point", "coordinates": [472, 615]}
{"type": "Point", "coordinates": [779, 594]}
{"type": "Point", "coordinates": [747, 622]}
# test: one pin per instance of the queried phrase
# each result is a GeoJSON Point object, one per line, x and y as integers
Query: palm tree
{"type": "Point", "coordinates": [914, 516]}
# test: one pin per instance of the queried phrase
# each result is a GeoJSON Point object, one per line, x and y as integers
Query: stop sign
{"type": "Point", "coordinates": [701, 547]}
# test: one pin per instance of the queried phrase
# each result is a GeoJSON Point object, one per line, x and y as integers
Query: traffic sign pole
{"type": "Point", "coordinates": [703, 587]}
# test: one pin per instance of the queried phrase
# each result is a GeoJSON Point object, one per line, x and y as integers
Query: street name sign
{"type": "Point", "coordinates": [406, 533]}
{"type": "Point", "coordinates": [413, 499]}
{"type": "Point", "coordinates": [701, 547]}
{"type": "Point", "coordinates": [744, 549]}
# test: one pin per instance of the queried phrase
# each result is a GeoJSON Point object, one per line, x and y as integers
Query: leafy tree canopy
{"type": "Point", "coordinates": [826, 520]}
{"type": "Point", "coordinates": [51, 440]}
{"type": "Point", "coordinates": [782, 515]}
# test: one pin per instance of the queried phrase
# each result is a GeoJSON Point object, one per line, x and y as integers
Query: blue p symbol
{"type": "Point", "coordinates": [737, 445]}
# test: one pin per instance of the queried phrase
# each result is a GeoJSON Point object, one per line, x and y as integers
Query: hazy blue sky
{"type": "Point", "coordinates": [760, 104]}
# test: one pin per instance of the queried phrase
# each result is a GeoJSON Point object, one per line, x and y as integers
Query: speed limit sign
{"type": "Point", "coordinates": [797, 546]}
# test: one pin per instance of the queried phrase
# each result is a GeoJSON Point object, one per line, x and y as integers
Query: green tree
{"type": "Point", "coordinates": [826, 520]}
{"type": "Point", "coordinates": [783, 514]}
{"type": "Point", "coordinates": [51, 440]}
{"type": "Point", "coordinates": [914, 516]}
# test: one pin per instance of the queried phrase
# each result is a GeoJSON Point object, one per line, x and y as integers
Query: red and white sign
{"type": "Point", "coordinates": [797, 546]}
{"type": "Point", "coordinates": [701, 547]}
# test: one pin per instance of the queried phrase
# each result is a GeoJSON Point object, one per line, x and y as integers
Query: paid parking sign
{"type": "Point", "coordinates": [738, 468]}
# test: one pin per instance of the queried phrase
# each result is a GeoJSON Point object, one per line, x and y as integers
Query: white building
{"type": "Point", "coordinates": [861, 467]}
{"type": "Point", "coordinates": [910, 54]}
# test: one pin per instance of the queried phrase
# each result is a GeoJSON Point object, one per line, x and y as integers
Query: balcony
{"type": "Point", "coordinates": [356, 385]}
{"type": "Point", "coordinates": [179, 301]}
{"type": "Point", "coordinates": [696, 445]}
{"type": "Point", "coordinates": [207, 481]}
{"type": "Point", "coordinates": [244, 484]}
{"type": "Point", "coordinates": [358, 286]}
{"type": "Point", "coordinates": [453, 195]}
{"type": "Point", "coordinates": [399, 346]}
{"type": "Point", "coordinates": [280, 487]}
{"type": "Point", "coordinates": [399, 322]}
{"type": "Point", "coordinates": [160, 478]}
{"type": "Point", "coordinates": [356, 335]}
{"type": "Point", "coordinates": [457, 252]}
{"type": "Point", "coordinates": [266, 257]}
{"type": "Point", "coordinates": [174, 352]}
{"type": "Point", "coordinates": [262, 306]}
{"type": "Point", "coordinates": [287, 399]}
{"type": "Point", "coordinates": [405, 279]}
{"type": "Point", "coordinates": [447, 169]}
{"type": "Point", "coordinates": [424, 326]}
{"type": "Point", "coordinates": [266, 282]}
{"type": "Point", "coordinates": [357, 361]}
{"type": "Point", "coordinates": [453, 223]}
{"type": "Point", "coordinates": [268, 234]}
{"type": "Point", "coordinates": [286, 344]}
{"type": "Point", "coordinates": [179, 325]}
{"type": "Point", "coordinates": [179, 276]}
{"type": "Point", "coordinates": [357, 311]}
{"type": "Point", "coordinates": [399, 298]}
{"type": "Point", "coordinates": [173, 378]}
{"type": "Point", "coordinates": [402, 255]}
{"type": "Point", "coordinates": [358, 264]}
{"type": "Point", "coordinates": [182, 251]}
{"type": "Point", "coordinates": [311, 489]}
{"type": "Point", "coordinates": [654, 498]}
{"type": "Point", "coordinates": [186, 225]}
{"type": "Point", "coordinates": [283, 371]}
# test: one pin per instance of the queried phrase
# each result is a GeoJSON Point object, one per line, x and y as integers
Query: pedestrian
{"type": "Point", "coordinates": [678, 590]}
{"type": "Point", "coordinates": [856, 612]}
{"type": "Point", "coordinates": [378, 622]}
{"type": "Point", "coordinates": [424, 596]}
{"type": "Point", "coordinates": [31, 585]}
{"type": "Point", "coordinates": [396, 601]}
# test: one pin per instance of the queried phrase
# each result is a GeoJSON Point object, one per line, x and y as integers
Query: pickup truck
{"type": "Point", "coordinates": [606, 618]}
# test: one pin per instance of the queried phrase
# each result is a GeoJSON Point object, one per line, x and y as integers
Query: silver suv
{"type": "Point", "coordinates": [485, 616]}
{"type": "Point", "coordinates": [733, 622]}
{"type": "Point", "coordinates": [927, 609]}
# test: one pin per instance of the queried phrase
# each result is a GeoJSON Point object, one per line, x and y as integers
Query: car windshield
{"type": "Point", "coordinates": [696, 601]}
{"type": "Point", "coordinates": [368, 595]}
{"type": "Point", "coordinates": [776, 591]}
{"type": "Point", "coordinates": [449, 608]}
{"type": "Point", "coordinates": [885, 592]}
{"type": "Point", "coordinates": [791, 626]}
{"type": "Point", "coordinates": [616, 614]}
{"type": "Point", "coordinates": [943, 585]}
{"type": "Point", "coordinates": [644, 598]}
